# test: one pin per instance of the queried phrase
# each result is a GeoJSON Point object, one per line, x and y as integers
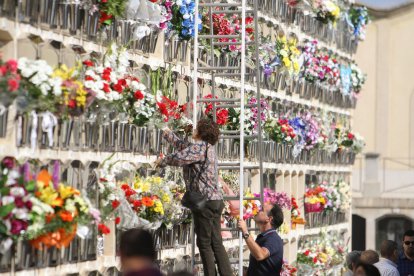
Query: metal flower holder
{"type": "Point", "coordinates": [91, 25]}
{"type": "Point", "coordinates": [49, 13]}
{"type": "Point", "coordinates": [3, 123]}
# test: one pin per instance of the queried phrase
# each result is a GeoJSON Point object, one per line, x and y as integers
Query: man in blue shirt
{"type": "Point", "coordinates": [406, 259]}
{"type": "Point", "coordinates": [266, 253]}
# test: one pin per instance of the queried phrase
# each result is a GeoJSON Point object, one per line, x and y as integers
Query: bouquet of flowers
{"type": "Point", "coordinates": [222, 114]}
{"type": "Point", "coordinates": [9, 82]}
{"type": "Point", "coordinates": [357, 78]}
{"type": "Point", "coordinates": [333, 198]}
{"type": "Point", "coordinates": [40, 85]}
{"type": "Point", "coordinates": [345, 195]}
{"type": "Point", "coordinates": [295, 214]}
{"type": "Point", "coordinates": [75, 98]}
{"type": "Point", "coordinates": [252, 206]}
{"type": "Point", "coordinates": [312, 70]}
{"type": "Point", "coordinates": [59, 213]}
{"type": "Point", "coordinates": [359, 19]}
{"type": "Point", "coordinates": [351, 140]}
{"type": "Point", "coordinates": [15, 204]}
{"type": "Point", "coordinates": [276, 198]}
{"type": "Point", "coordinates": [173, 113]}
{"type": "Point", "coordinates": [330, 69]}
{"type": "Point", "coordinates": [109, 10]}
{"type": "Point", "coordinates": [288, 53]}
{"type": "Point", "coordinates": [287, 269]}
{"type": "Point", "coordinates": [280, 131]}
{"type": "Point", "coordinates": [183, 18]}
{"type": "Point", "coordinates": [315, 199]}
{"type": "Point", "coordinates": [326, 11]}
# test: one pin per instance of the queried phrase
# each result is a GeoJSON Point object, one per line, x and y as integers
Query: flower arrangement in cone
{"type": "Point", "coordinates": [295, 217]}
{"type": "Point", "coordinates": [315, 200]}
{"type": "Point", "coordinates": [58, 214]}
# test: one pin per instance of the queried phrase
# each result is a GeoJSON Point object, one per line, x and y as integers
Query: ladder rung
{"type": "Point", "coordinates": [237, 229]}
{"type": "Point", "coordinates": [219, 4]}
{"type": "Point", "coordinates": [230, 131]}
{"type": "Point", "coordinates": [238, 136]}
{"type": "Point", "coordinates": [235, 105]}
{"type": "Point", "coordinates": [219, 68]}
{"type": "Point", "coordinates": [218, 36]}
{"type": "Point", "coordinates": [231, 43]}
{"type": "Point", "coordinates": [218, 100]}
{"type": "Point", "coordinates": [231, 11]}
{"type": "Point", "coordinates": [237, 167]}
{"type": "Point", "coordinates": [232, 74]}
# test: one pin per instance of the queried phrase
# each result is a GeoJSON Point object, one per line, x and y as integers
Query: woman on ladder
{"type": "Point", "coordinates": [199, 163]}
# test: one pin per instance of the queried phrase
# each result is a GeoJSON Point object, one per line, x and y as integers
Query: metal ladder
{"type": "Point", "coordinates": [214, 71]}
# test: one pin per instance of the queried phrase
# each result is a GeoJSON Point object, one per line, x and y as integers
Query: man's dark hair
{"type": "Point", "coordinates": [137, 243]}
{"type": "Point", "coordinates": [369, 257]}
{"type": "Point", "coordinates": [388, 248]}
{"type": "Point", "coordinates": [181, 273]}
{"type": "Point", "coordinates": [408, 233]}
{"type": "Point", "coordinates": [277, 214]}
{"type": "Point", "coordinates": [352, 259]}
{"type": "Point", "coordinates": [208, 131]}
{"type": "Point", "coordinates": [370, 270]}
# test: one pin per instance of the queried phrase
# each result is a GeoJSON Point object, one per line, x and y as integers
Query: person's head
{"type": "Point", "coordinates": [369, 257]}
{"type": "Point", "coordinates": [352, 259]}
{"type": "Point", "coordinates": [207, 130]}
{"type": "Point", "coordinates": [363, 269]}
{"type": "Point", "coordinates": [271, 217]}
{"type": "Point", "coordinates": [389, 250]}
{"type": "Point", "coordinates": [137, 250]}
{"type": "Point", "coordinates": [408, 243]}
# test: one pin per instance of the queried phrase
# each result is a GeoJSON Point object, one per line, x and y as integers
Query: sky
{"type": "Point", "coordinates": [384, 4]}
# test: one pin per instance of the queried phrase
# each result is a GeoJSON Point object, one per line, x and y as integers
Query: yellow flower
{"type": "Point", "coordinates": [166, 198]}
{"type": "Point", "coordinates": [49, 196]}
{"type": "Point", "coordinates": [156, 180]}
{"type": "Point", "coordinates": [67, 191]}
{"type": "Point", "coordinates": [286, 61]}
{"type": "Point", "coordinates": [296, 66]}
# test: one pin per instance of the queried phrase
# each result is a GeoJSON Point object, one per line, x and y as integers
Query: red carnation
{"type": "Point", "coordinates": [13, 84]}
{"type": "Point", "coordinates": [137, 203]}
{"type": "Point", "coordinates": [103, 229]}
{"type": "Point", "coordinates": [307, 252]}
{"type": "Point", "coordinates": [222, 116]}
{"type": "Point", "coordinates": [106, 88]}
{"type": "Point", "coordinates": [118, 88]}
{"type": "Point", "coordinates": [89, 78]}
{"type": "Point", "coordinates": [163, 108]}
{"type": "Point", "coordinates": [350, 136]}
{"type": "Point", "coordinates": [104, 16]}
{"type": "Point", "coordinates": [72, 104]}
{"type": "Point", "coordinates": [88, 63]}
{"type": "Point", "coordinates": [117, 220]}
{"type": "Point", "coordinates": [129, 192]}
{"type": "Point", "coordinates": [12, 65]}
{"type": "Point", "coordinates": [125, 187]}
{"type": "Point", "coordinates": [115, 204]}
{"type": "Point", "coordinates": [138, 95]}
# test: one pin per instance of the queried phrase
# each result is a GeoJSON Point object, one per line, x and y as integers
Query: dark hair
{"type": "Point", "coordinates": [137, 243]}
{"type": "Point", "coordinates": [208, 131]}
{"type": "Point", "coordinates": [388, 248]}
{"type": "Point", "coordinates": [181, 273]}
{"type": "Point", "coordinates": [370, 270]}
{"type": "Point", "coordinates": [369, 257]}
{"type": "Point", "coordinates": [353, 258]}
{"type": "Point", "coordinates": [408, 233]}
{"type": "Point", "coordinates": [277, 214]}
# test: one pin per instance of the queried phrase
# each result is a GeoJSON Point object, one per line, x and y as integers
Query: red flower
{"type": "Point", "coordinates": [88, 63]}
{"type": "Point", "coordinates": [125, 187]}
{"type": "Point", "coordinates": [307, 252]}
{"type": "Point", "coordinates": [315, 260]}
{"type": "Point", "coordinates": [115, 203]}
{"type": "Point", "coordinates": [249, 30]}
{"type": "Point", "coordinates": [129, 192]}
{"type": "Point", "coordinates": [183, 108]}
{"type": "Point", "coordinates": [163, 108]}
{"type": "Point", "coordinates": [89, 78]}
{"type": "Point", "coordinates": [104, 16]}
{"type": "Point", "coordinates": [122, 82]}
{"type": "Point", "coordinates": [137, 203]}
{"type": "Point", "coordinates": [72, 104]}
{"type": "Point", "coordinates": [138, 95]}
{"type": "Point", "coordinates": [103, 229]}
{"type": "Point", "coordinates": [104, 1]}
{"type": "Point", "coordinates": [249, 20]}
{"type": "Point", "coordinates": [3, 70]}
{"type": "Point", "coordinates": [350, 136]}
{"type": "Point", "coordinates": [117, 220]}
{"type": "Point", "coordinates": [12, 65]}
{"type": "Point", "coordinates": [106, 88]}
{"type": "Point", "coordinates": [118, 88]}
{"type": "Point", "coordinates": [222, 116]}
{"type": "Point", "coordinates": [13, 84]}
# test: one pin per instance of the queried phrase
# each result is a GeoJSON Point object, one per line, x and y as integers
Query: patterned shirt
{"type": "Point", "coordinates": [405, 266]}
{"type": "Point", "coordinates": [387, 267]}
{"type": "Point", "coordinates": [192, 157]}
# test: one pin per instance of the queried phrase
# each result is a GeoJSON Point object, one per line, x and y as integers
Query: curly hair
{"type": "Point", "coordinates": [208, 131]}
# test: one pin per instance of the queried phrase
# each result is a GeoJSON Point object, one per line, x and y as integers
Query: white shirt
{"type": "Point", "coordinates": [387, 267]}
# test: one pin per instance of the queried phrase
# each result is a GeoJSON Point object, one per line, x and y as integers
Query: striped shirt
{"type": "Point", "coordinates": [387, 267]}
{"type": "Point", "coordinates": [405, 266]}
{"type": "Point", "coordinates": [192, 157]}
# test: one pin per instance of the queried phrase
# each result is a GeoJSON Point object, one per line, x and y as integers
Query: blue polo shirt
{"type": "Point", "coordinates": [273, 264]}
{"type": "Point", "coordinates": [405, 266]}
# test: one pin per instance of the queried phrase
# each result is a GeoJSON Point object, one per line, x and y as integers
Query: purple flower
{"type": "Point", "coordinates": [55, 175]}
{"type": "Point", "coordinates": [17, 226]}
{"type": "Point", "coordinates": [18, 201]}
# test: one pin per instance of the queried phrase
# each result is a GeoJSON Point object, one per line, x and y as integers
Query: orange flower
{"type": "Point", "coordinates": [44, 177]}
{"type": "Point", "coordinates": [57, 202]}
{"type": "Point", "coordinates": [66, 216]}
{"type": "Point", "coordinates": [49, 217]}
{"type": "Point", "coordinates": [60, 238]}
{"type": "Point", "coordinates": [148, 202]}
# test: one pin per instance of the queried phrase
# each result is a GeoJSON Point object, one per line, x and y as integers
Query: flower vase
{"type": "Point", "coordinates": [125, 29]}
{"type": "Point", "coordinates": [91, 135]}
{"type": "Point", "coordinates": [272, 151]}
{"type": "Point", "coordinates": [75, 15]}
{"type": "Point", "coordinates": [3, 122]}
{"type": "Point", "coordinates": [184, 45]}
{"type": "Point", "coordinates": [111, 31]}
{"type": "Point", "coordinates": [64, 15]}
{"type": "Point", "coordinates": [91, 25]}
{"type": "Point", "coordinates": [142, 140]}
{"type": "Point", "coordinates": [131, 138]}
{"type": "Point", "coordinates": [153, 39]}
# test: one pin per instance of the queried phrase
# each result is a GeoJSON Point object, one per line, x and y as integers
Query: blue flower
{"type": "Point", "coordinates": [183, 9]}
{"type": "Point", "coordinates": [184, 32]}
{"type": "Point", "coordinates": [191, 7]}
{"type": "Point", "coordinates": [187, 23]}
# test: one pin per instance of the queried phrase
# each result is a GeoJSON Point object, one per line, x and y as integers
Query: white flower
{"type": "Point", "coordinates": [17, 192]}
{"type": "Point", "coordinates": [5, 245]}
{"type": "Point", "coordinates": [21, 213]}
{"type": "Point", "coordinates": [82, 231]}
{"type": "Point", "coordinates": [7, 200]}
{"type": "Point", "coordinates": [56, 83]}
{"type": "Point", "coordinates": [179, 2]}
